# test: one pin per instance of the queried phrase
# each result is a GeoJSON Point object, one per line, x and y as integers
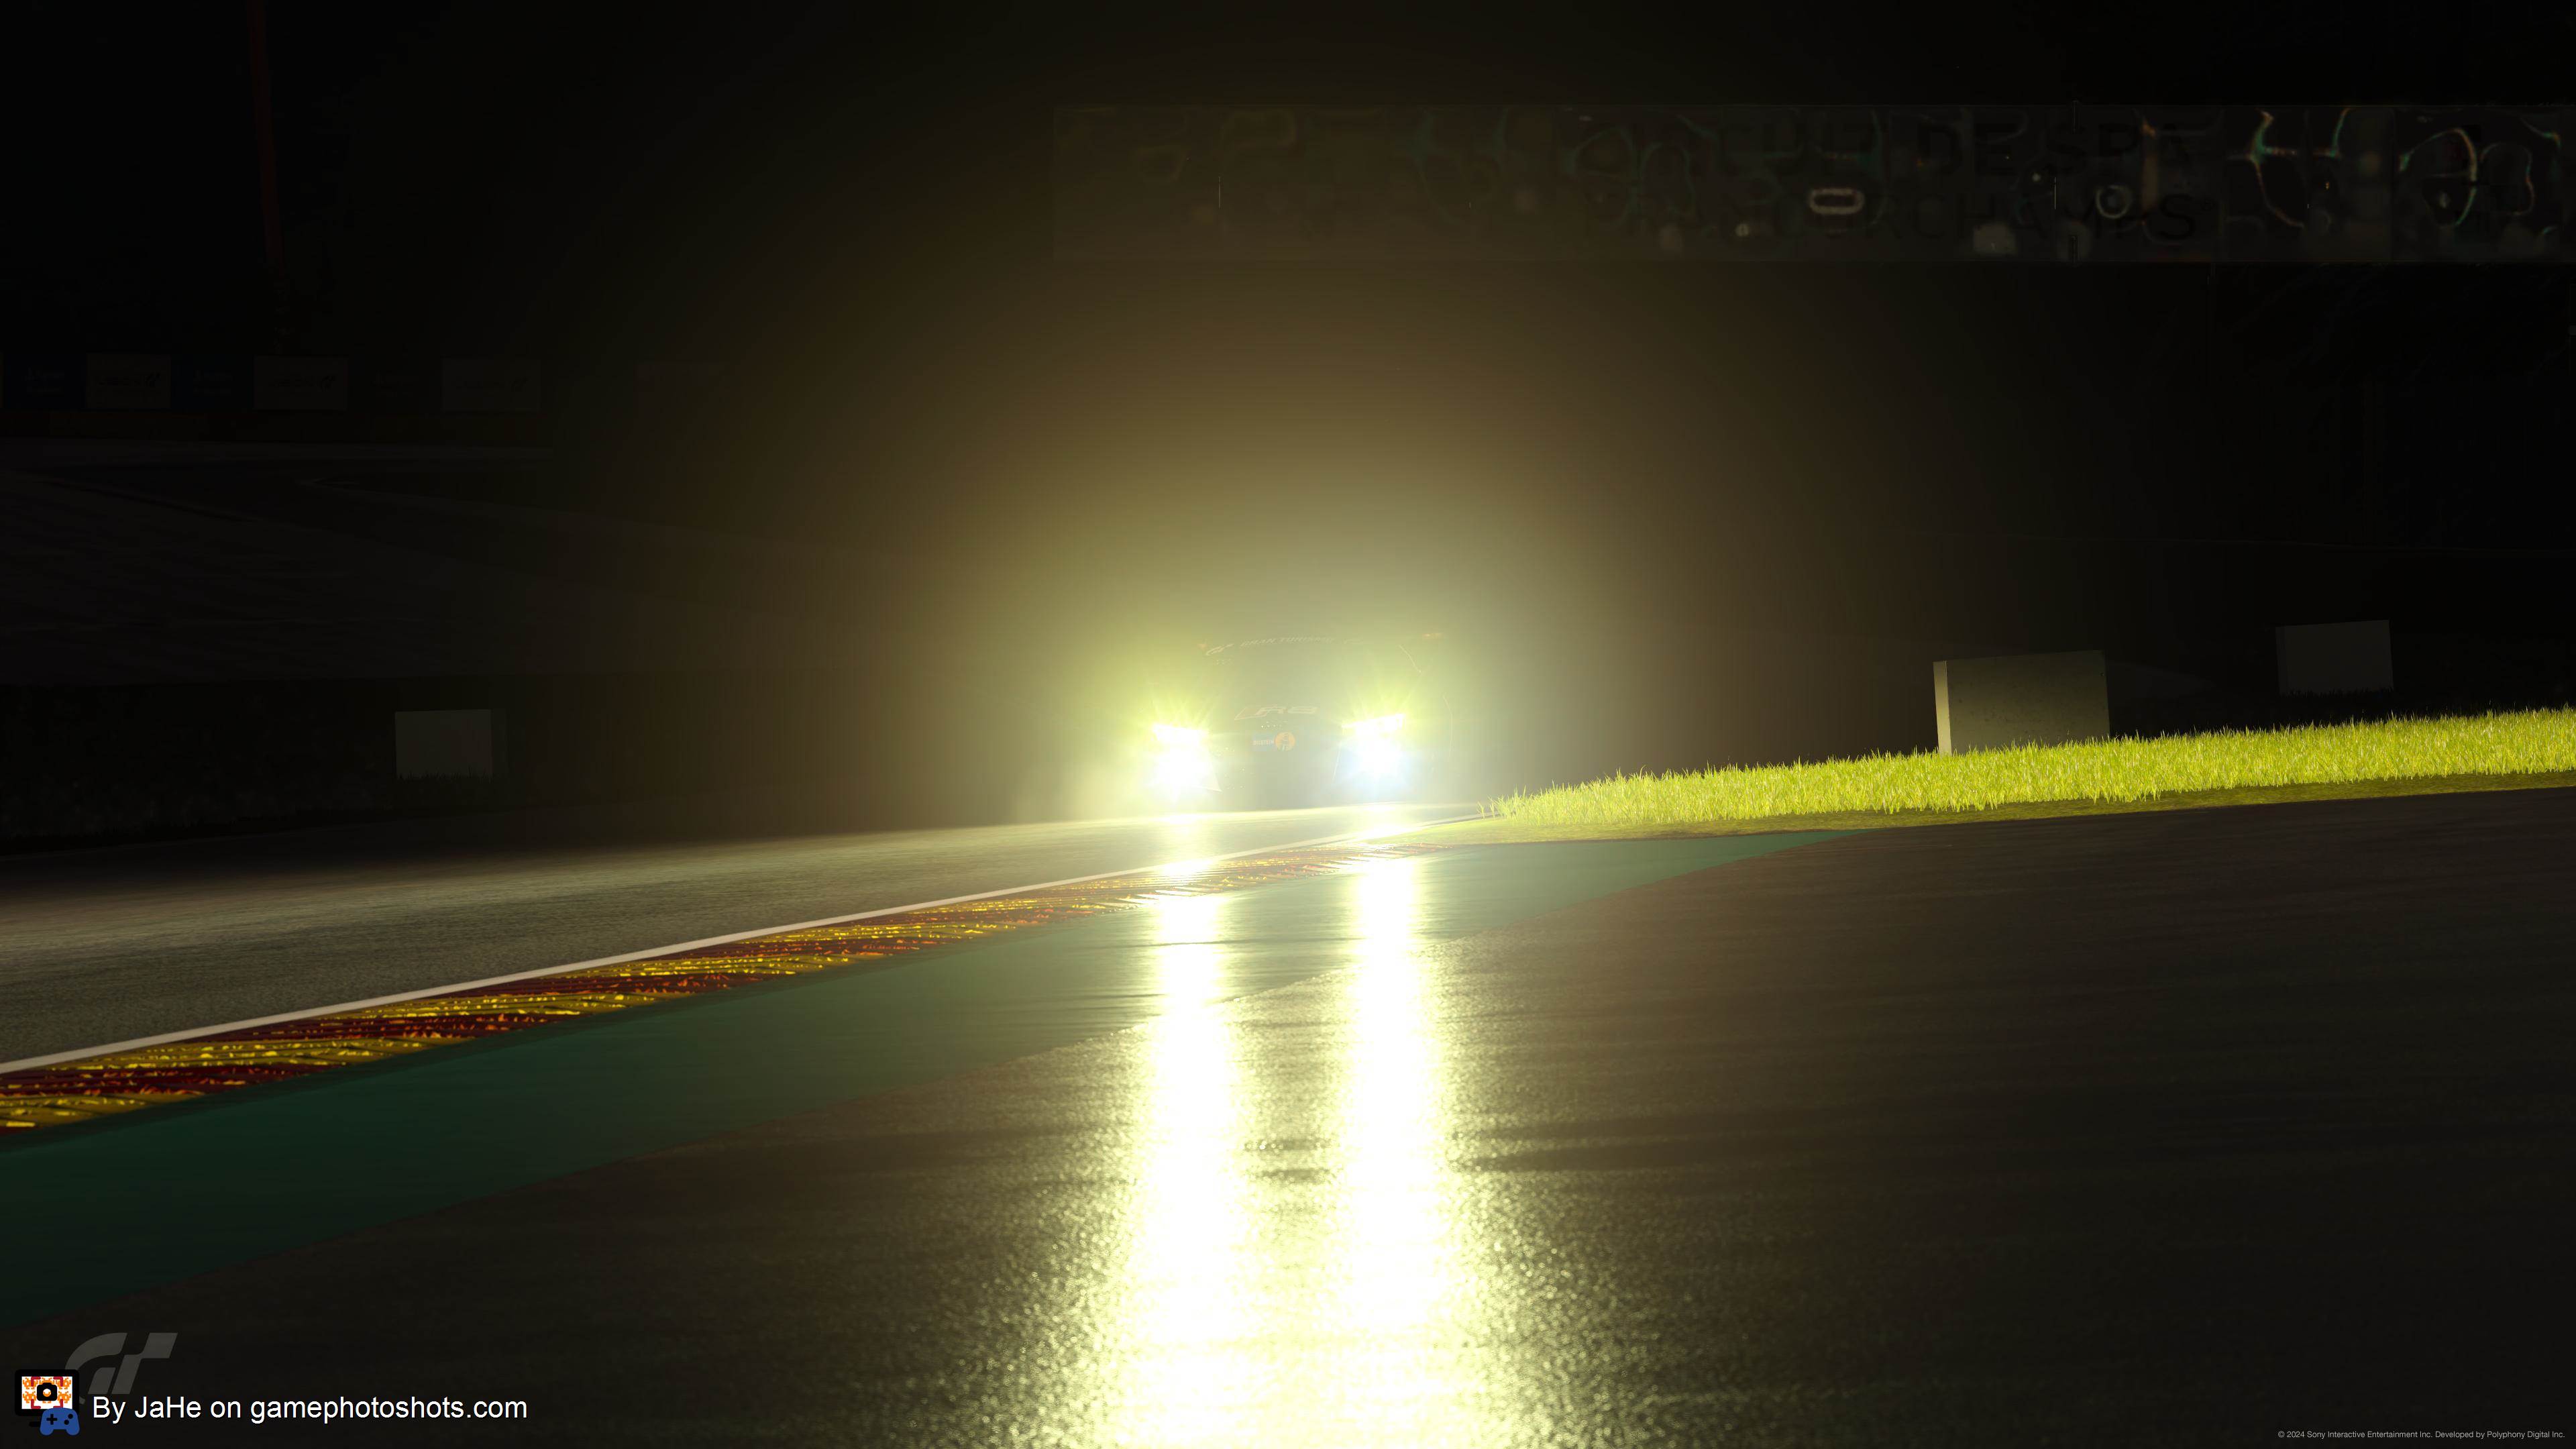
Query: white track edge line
{"type": "Point", "coordinates": [191, 1033]}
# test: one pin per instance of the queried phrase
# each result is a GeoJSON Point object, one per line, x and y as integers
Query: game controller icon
{"type": "Point", "coordinates": [62, 1417]}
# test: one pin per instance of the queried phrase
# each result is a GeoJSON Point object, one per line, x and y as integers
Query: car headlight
{"type": "Point", "coordinates": [1182, 764]}
{"type": "Point", "coordinates": [1369, 746]}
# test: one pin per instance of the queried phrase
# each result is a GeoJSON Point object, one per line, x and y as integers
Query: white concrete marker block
{"type": "Point", "coordinates": [2348, 658]}
{"type": "Point", "coordinates": [442, 742]}
{"type": "Point", "coordinates": [2021, 699]}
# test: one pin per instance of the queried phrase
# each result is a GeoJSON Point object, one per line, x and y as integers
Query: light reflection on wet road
{"type": "Point", "coordinates": [1291, 1263]}
{"type": "Point", "coordinates": [1396, 1202]}
{"type": "Point", "coordinates": [1188, 1245]}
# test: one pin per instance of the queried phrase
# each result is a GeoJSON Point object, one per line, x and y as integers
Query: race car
{"type": "Point", "coordinates": [1305, 720]}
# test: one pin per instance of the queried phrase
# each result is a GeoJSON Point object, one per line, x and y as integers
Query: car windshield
{"type": "Point", "coordinates": [1332, 675]}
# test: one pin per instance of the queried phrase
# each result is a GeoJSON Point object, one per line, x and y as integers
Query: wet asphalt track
{"type": "Point", "coordinates": [2178, 1128]}
{"type": "Point", "coordinates": [110, 945]}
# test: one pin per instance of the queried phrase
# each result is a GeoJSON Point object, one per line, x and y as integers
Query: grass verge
{"type": "Point", "coordinates": [2497, 751]}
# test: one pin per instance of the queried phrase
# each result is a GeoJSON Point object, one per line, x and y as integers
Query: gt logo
{"type": "Point", "coordinates": [155, 1345]}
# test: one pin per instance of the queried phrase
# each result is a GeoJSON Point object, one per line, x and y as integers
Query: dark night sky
{"type": "Point", "coordinates": [848, 215]}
